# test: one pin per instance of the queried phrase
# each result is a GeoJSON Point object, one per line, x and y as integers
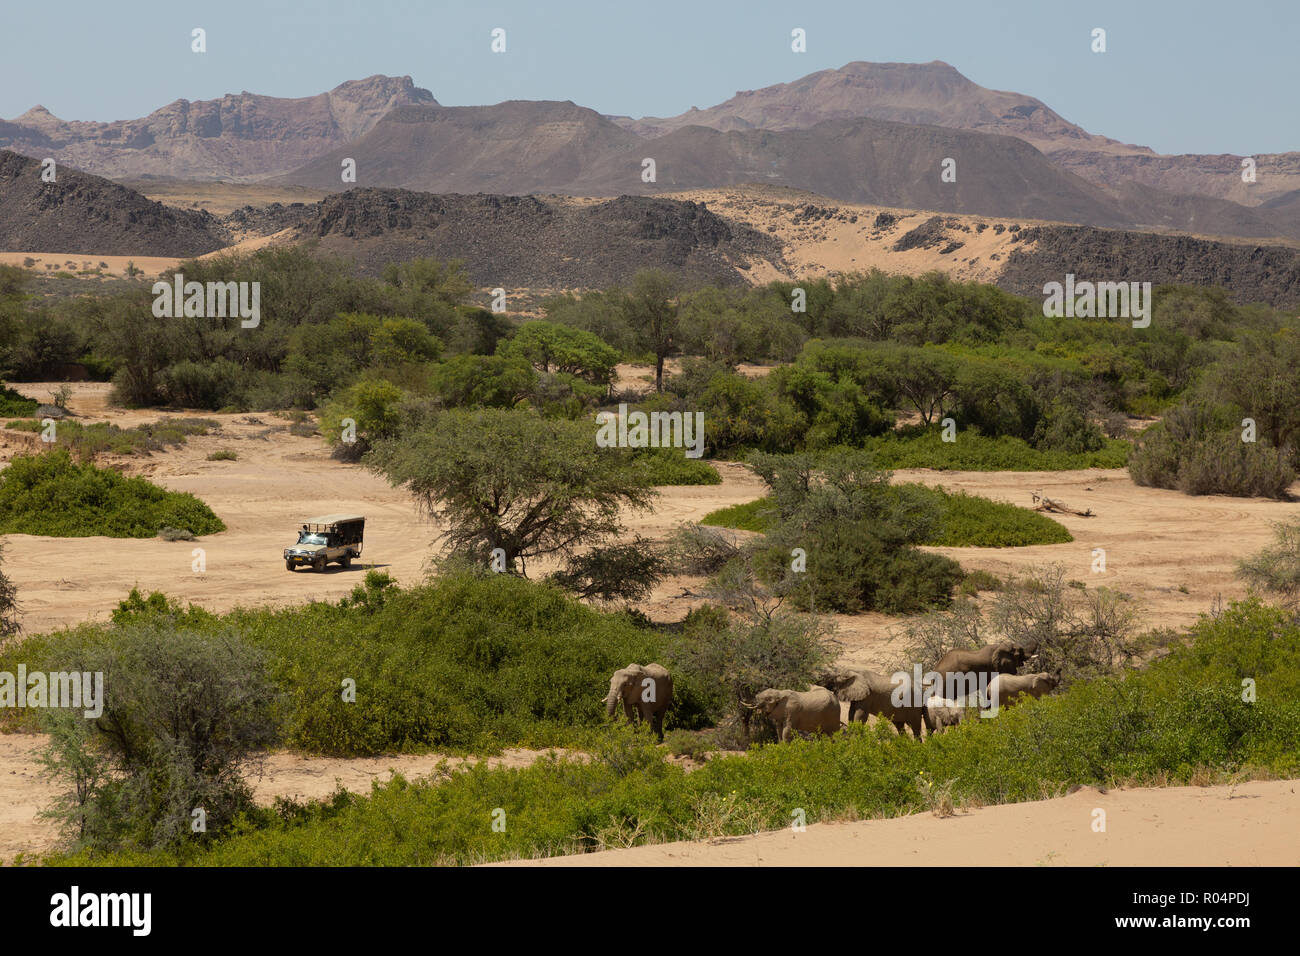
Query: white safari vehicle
{"type": "Point", "coordinates": [325, 539]}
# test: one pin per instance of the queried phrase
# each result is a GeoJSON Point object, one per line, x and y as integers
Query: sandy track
{"type": "Point", "coordinates": [278, 480]}
{"type": "Point", "coordinates": [1173, 553]}
{"type": "Point", "coordinates": [1252, 824]}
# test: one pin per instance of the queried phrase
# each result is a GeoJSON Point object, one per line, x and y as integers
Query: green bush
{"type": "Point", "coordinates": [473, 661]}
{"type": "Point", "coordinates": [695, 549]}
{"type": "Point", "coordinates": [972, 521]}
{"type": "Point", "coordinates": [670, 466]}
{"type": "Point", "coordinates": [184, 715]}
{"type": "Point", "coordinates": [50, 494]}
{"type": "Point", "coordinates": [1275, 571]}
{"type": "Point", "coordinates": [924, 448]}
{"type": "Point", "coordinates": [1182, 716]}
{"type": "Point", "coordinates": [12, 403]}
{"type": "Point", "coordinates": [965, 521]}
{"type": "Point", "coordinates": [9, 625]}
{"type": "Point", "coordinates": [854, 534]}
{"type": "Point", "coordinates": [1197, 449]}
{"type": "Point", "coordinates": [371, 408]}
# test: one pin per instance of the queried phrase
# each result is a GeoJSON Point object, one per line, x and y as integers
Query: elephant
{"type": "Point", "coordinates": [1003, 658]}
{"type": "Point", "coordinates": [806, 712]}
{"type": "Point", "coordinates": [941, 713]}
{"type": "Point", "coordinates": [1006, 689]}
{"type": "Point", "coordinates": [870, 693]}
{"type": "Point", "coordinates": [646, 693]}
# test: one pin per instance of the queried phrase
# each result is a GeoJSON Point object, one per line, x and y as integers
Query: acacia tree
{"type": "Point", "coordinates": [551, 347]}
{"type": "Point", "coordinates": [513, 480]}
{"type": "Point", "coordinates": [652, 308]}
{"type": "Point", "coordinates": [1275, 570]}
{"type": "Point", "coordinates": [187, 715]}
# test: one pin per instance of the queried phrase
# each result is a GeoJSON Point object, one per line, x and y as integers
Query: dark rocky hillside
{"type": "Point", "coordinates": [82, 214]}
{"type": "Point", "coordinates": [535, 242]}
{"type": "Point", "coordinates": [1251, 273]}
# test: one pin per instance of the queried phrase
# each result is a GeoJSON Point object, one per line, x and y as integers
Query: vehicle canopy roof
{"type": "Point", "coordinates": [335, 519]}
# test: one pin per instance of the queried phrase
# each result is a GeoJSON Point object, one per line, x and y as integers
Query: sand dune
{"type": "Point", "coordinates": [1251, 824]}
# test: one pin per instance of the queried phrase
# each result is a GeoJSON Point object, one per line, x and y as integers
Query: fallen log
{"type": "Point", "coordinates": [1044, 503]}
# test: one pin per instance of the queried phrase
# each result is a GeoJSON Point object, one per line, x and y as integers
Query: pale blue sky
{"type": "Point", "coordinates": [1179, 75]}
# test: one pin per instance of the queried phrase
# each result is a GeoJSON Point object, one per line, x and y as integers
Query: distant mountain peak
{"type": "Point", "coordinates": [35, 114]}
{"type": "Point", "coordinates": [930, 94]}
{"type": "Point", "coordinates": [236, 135]}
{"type": "Point", "coordinates": [381, 85]}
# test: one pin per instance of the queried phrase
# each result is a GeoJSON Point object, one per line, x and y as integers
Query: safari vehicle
{"type": "Point", "coordinates": [325, 539]}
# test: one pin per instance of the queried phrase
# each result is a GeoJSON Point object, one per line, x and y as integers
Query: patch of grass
{"type": "Point", "coordinates": [224, 454]}
{"type": "Point", "coordinates": [972, 521]}
{"type": "Point", "coordinates": [670, 466]}
{"type": "Point", "coordinates": [923, 448]}
{"type": "Point", "coordinates": [52, 495]}
{"type": "Point", "coordinates": [751, 516]}
{"type": "Point", "coordinates": [12, 403]}
{"type": "Point", "coordinates": [101, 438]}
{"type": "Point", "coordinates": [967, 521]}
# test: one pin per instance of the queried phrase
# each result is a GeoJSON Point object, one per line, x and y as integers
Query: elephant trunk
{"type": "Point", "coordinates": [611, 704]}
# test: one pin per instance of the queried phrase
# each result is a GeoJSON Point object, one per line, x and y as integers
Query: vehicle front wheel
{"type": "Point", "coordinates": [288, 565]}
{"type": "Point", "coordinates": [318, 566]}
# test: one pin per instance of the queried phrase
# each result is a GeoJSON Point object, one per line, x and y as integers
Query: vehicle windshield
{"type": "Point", "coordinates": [311, 537]}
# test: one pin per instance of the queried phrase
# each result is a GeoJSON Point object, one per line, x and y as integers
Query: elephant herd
{"type": "Point", "coordinates": [988, 672]}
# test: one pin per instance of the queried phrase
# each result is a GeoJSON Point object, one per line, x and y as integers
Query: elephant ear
{"type": "Point", "coordinates": [857, 690]}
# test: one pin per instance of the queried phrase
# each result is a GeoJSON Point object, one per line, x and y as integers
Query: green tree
{"type": "Point", "coordinates": [652, 309]}
{"type": "Point", "coordinates": [513, 480]}
{"type": "Point", "coordinates": [443, 283]}
{"type": "Point", "coordinates": [925, 378]}
{"type": "Point", "coordinates": [185, 717]}
{"type": "Point", "coordinates": [373, 407]}
{"type": "Point", "coordinates": [495, 381]}
{"type": "Point", "coordinates": [601, 313]}
{"type": "Point", "coordinates": [857, 533]}
{"type": "Point", "coordinates": [553, 348]}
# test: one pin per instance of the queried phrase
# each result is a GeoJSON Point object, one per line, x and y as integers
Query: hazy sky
{"type": "Point", "coordinates": [1178, 75]}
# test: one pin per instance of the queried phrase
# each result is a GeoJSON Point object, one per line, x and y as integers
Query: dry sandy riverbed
{"type": "Point", "coordinates": [1175, 554]}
